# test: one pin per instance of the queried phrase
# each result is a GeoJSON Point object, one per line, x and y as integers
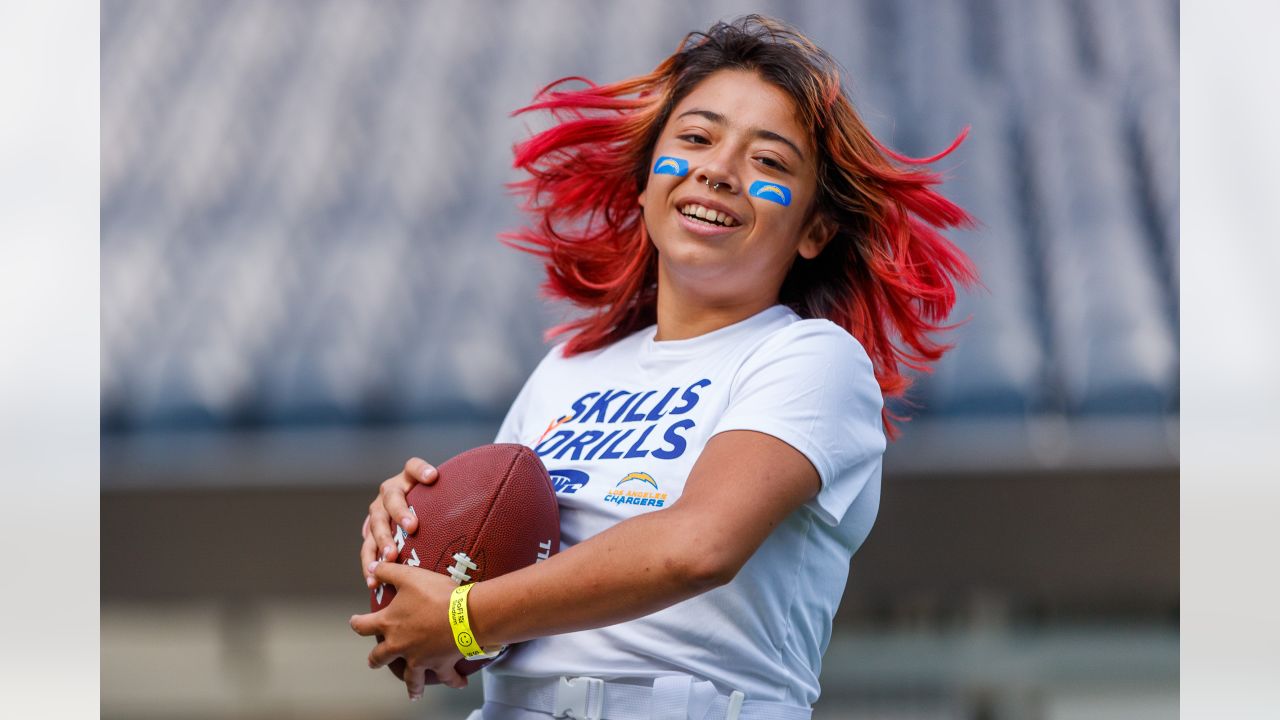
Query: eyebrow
{"type": "Point", "coordinates": [761, 133]}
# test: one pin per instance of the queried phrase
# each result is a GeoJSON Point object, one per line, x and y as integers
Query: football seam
{"type": "Point", "coordinates": [484, 524]}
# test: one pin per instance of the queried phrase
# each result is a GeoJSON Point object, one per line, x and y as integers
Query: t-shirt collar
{"type": "Point", "coordinates": [701, 342]}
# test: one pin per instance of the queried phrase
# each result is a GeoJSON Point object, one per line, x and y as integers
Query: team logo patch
{"type": "Point", "coordinates": [568, 481]}
{"type": "Point", "coordinates": [666, 165]}
{"type": "Point", "coordinates": [635, 494]}
{"type": "Point", "coordinates": [780, 194]}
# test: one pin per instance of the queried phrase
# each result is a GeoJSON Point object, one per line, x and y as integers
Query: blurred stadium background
{"type": "Point", "coordinates": [302, 286]}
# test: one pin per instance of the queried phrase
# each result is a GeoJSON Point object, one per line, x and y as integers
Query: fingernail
{"type": "Point", "coordinates": [415, 698]}
{"type": "Point", "coordinates": [369, 581]}
{"type": "Point", "coordinates": [386, 552]}
{"type": "Point", "coordinates": [404, 523]}
{"type": "Point", "coordinates": [426, 471]}
{"type": "Point", "coordinates": [372, 566]}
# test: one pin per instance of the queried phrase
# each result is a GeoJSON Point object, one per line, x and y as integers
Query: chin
{"type": "Point", "coordinates": [702, 274]}
{"type": "Point", "coordinates": [690, 257]}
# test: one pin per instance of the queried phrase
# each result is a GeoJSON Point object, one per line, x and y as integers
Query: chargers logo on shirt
{"type": "Point", "coordinates": [632, 496]}
{"type": "Point", "coordinates": [642, 477]}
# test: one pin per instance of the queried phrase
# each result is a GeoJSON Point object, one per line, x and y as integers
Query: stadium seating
{"type": "Point", "coordinates": [301, 201]}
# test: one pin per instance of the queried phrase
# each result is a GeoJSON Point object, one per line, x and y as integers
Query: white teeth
{"type": "Point", "coordinates": [704, 213]}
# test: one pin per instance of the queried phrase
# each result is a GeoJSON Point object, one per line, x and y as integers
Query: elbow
{"type": "Point", "coordinates": [706, 571]}
{"type": "Point", "coordinates": [699, 554]}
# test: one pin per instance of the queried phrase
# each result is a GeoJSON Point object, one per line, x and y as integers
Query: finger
{"type": "Point", "coordinates": [397, 509]}
{"type": "Point", "coordinates": [448, 675]}
{"type": "Point", "coordinates": [368, 559]}
{"type": "Point", "coordinates": [382, 655]}
{"type": "Point", "coordinates": [383, 533]}
{"type": "Point", "coordinates": [392, 573]}
{"type": "Point", "coordinates": [364, 529]}
{"type": "Point", "coordinates": [394, 490]}
{"type": "Point", "coordinates": [415, 680]}
{"type": "Point", "coordinates": [367, 624]}
{"type": "Point", "coordinates": [421, 470]}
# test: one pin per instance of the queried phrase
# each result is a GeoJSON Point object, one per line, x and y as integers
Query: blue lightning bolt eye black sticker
{"type": "Point", "coordinates": [780, 194]}
{"type": "Point", "coordinates": [666, 165]}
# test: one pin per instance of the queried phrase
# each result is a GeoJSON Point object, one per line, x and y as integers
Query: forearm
{"type": "Point", "coordinates": [634, 568]}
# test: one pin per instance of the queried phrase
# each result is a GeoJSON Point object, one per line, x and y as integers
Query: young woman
{"type": "Point", "coordinates": [759, 270]}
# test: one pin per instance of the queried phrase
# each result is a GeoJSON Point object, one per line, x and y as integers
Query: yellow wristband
{"type": "Point", "coordinates": [460, 622]}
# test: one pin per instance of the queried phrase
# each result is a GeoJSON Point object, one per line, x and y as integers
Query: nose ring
{"type": "Point", "coordinates": [708, 183]}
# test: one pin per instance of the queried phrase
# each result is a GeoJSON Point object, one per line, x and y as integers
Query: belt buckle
{"type": "Point", "coordinates": [574, 699]}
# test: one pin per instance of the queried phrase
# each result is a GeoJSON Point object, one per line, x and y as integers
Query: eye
{"type": "Point", "coordinates": [695, 139]}
{"type": "Point", "coordinates": [771, 163]}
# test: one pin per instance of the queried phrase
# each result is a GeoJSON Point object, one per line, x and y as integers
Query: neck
{"type": "Point", "coordinates": [683, 315]}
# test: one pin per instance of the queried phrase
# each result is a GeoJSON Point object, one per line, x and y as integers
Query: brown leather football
{"type": "Point", "coordinates": [492, 510]}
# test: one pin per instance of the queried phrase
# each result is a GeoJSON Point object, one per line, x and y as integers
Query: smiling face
{"type": "Point", "coordinates": [733, 244]}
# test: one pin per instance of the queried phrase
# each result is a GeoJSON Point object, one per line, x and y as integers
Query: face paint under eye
{"type": "Point", "coordinates": [666, 165]}
{"type": "Point", "coordinates": [774, 192]}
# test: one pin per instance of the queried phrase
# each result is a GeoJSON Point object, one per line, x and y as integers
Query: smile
{"type": "Point", "coordinates": [707, 216]}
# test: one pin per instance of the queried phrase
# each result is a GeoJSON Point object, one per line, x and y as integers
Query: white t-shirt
{"type": "Point", "coordinates": [620, 428]}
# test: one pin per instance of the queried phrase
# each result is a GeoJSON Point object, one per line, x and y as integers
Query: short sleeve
{"type": "Point", "coordinates": [812, 386]}
{"type": "Point", "coordinates": [513, 428]}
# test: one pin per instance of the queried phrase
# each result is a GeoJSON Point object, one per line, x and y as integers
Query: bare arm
{"type": "Point", "coordinates": [741, 487]}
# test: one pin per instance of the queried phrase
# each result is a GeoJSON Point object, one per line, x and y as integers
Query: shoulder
{"type": "Point", "coordinates": [811, 368]}
{"type": "Point", "coordinates": [813, 345]}
{"type": "Point", "coordinates": [812, 385]}
{"type": "Point", "coordinates": [824, 334]}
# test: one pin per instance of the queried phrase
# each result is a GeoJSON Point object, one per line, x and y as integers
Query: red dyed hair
{"type": "Point", "coordinates": [888, 276]}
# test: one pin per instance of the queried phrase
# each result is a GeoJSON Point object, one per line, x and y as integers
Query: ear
{"type": "Point", "coordinates": [817, 234]}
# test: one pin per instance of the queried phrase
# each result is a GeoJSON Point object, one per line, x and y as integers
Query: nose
{"type": "Point", "coordinates": [717, 176]}
{"type": "Point", "coordinates": [718, 186]}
